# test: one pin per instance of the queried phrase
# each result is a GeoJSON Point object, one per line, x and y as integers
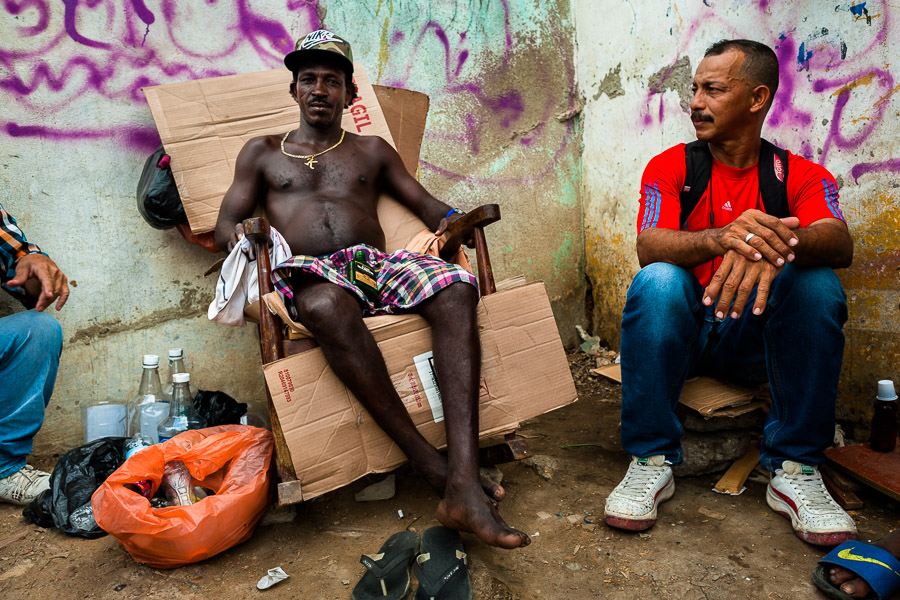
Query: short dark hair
{"type": "Point", "coordinates": [348, 76]}
{"type": "Point", "coordinates": [760, 63]}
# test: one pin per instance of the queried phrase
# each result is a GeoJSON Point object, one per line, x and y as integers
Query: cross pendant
{"type": "Point", "coordinates": [310, 162]}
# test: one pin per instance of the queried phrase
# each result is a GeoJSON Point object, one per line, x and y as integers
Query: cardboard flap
{"type": "Point", "coordinates": [708, 396]}
{"type": "Point", "coordinates": [204, 123]}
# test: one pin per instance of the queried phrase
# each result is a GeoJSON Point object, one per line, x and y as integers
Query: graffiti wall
{"type": "Point", "coordinates": [836, 105]}
{"type": "Point", "coordinates": [75, 131]}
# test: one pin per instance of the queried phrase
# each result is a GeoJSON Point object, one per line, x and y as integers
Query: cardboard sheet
{"type": "Point", "coordinates": [204, 123]}
{"type": "Point", "coordinates": [708, 396]}
{"type": "Point", "coordinates": [334, 441]}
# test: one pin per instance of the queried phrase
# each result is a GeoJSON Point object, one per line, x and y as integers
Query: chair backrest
{"type": "Point", "coordinates": [204, 123]}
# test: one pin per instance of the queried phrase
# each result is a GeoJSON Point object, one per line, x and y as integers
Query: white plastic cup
{"type": "Point", "coordinates": [886, 391]}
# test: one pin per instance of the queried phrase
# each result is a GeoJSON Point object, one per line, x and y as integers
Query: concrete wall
{"type": "Point", "coordinates": [75, 130]}
{"type": "Point", "coordinates": [837, 105]}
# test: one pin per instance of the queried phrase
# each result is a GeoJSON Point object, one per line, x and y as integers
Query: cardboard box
{"type": "Point", "coordinates": [204, 123]}
{"type": "Point", "coordinates": [333, 440]}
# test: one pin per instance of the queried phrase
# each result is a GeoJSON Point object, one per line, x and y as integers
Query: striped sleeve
{"type": "Point", "coordinates": [660, 185]}
{"type": "Point", "coordinates": [812, 192]}
{"type": "Point", "coordinates": [13, 246]}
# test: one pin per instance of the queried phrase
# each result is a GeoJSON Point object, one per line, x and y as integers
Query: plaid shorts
{"type": "Point", "coordinates": [405, 278]}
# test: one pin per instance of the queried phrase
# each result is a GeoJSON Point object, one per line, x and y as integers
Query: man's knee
{"type": "Point", "coordinates": [326, 305]}
{"type": "Point", "coordinates": [663, 284]}
{"type": "Point", "coordinates": [815, 288]}
{"type": "Point", "coordinates": [35, 332]}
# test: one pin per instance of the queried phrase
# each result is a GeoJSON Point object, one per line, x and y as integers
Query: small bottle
{"type": "Point", "coordinates": [176, 365]}
{"type": "Point", "coordinates": [150, 405]}
{"type": "Point", "coordinates": [144, 487]}
{"type": "Point", "coordinates": [182, 415]}
{"type": "Point", "coordinates": [177, 484]}
{"type": "Point", "coordinates": [364, 276]}
{"type": "Point", "coordinates": [136, 444]}
{"type": "Point", "coordinates": [884, 420]}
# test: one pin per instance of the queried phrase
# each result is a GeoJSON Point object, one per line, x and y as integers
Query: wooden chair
{"type": "Point", "coordinates": [275, 345]}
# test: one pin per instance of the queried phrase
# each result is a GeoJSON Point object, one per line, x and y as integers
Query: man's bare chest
{"type": "Point", "coordinates": [344, 172]}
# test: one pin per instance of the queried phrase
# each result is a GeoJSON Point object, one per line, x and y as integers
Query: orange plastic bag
{"type": "Point", "coordinates": [232, 460]}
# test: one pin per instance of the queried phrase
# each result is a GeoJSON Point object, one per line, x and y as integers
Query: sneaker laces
{"type": "Point", "coordinates": [810, 490]}
{"type": "Point", "coordinates": [639, 480]}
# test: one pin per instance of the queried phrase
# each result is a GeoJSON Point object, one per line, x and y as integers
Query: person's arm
{"type": "Point", "coordinates": [404, 188]}
{"type": "Point", "coordinates": [240, 199]}
{"type": "Point", "coordinates": [772, 239]}
{"type": "Point", "coordinates": [826, 242]}
{"type": "Point", "coordinates": [22, 264]}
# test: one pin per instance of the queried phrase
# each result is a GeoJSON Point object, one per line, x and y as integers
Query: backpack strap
{"type": "Point", "coordinates": [698, 170]}
{"type": "Point", "coordinates": [773, 174]}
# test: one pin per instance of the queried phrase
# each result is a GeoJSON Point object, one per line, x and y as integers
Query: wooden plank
{"type": "Point", "coordinates": [878, 470]}
{"type": "Point", "coordinates": [847, 499]}
{"type": "Point", "coordinates": [732, 482]}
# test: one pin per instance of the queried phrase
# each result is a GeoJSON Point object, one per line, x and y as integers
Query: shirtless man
{"type": "Point", "coordinates": [320, 187]}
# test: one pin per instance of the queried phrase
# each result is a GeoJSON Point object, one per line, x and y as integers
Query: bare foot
{"type": "Point", "coordinates": [470, 510]}
{"type": "Point", "coordinates": [853, 585]}
{"type": "Point", "coordinates": [435, 471]}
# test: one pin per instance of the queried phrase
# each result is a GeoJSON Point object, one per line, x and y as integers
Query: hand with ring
{"type": "Point", "coordinates": [757, 235]}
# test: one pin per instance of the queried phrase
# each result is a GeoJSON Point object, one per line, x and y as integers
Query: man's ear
{"type": "Point", "coordinates": [293, 90]}
{"type": "Point", "coordinates": [352, 94]}
{"type": "Point", "coordinates": [759, 98]}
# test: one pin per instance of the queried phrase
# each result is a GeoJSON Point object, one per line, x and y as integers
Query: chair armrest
{"type": "Point", "coordinates": [462, 229]}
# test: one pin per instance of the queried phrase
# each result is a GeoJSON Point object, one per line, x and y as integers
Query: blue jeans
{"type": "Point", "coordinates": [796, 344]}
{"type": "Point", "coordinates": [30, 345]}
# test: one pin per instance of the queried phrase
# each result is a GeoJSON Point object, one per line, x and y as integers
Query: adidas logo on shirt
{"type": "Point", "coordinates": [727, 206]}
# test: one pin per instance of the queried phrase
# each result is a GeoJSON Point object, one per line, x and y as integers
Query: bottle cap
{"type": "Point", "coordinates": [886, 390]}
{"type": "Point", "coordinates": [151, 360]}
{"type": "Point", "coordinates": [181, 377]}
{"type": "Point", "coordinates": [176, 353]}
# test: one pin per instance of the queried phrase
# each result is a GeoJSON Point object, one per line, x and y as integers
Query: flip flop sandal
{"type": "Point", "coordinates": [878, 567]}
{"type": "Point", "coordinates": [387, 572]}
{"type": "Point", "coordinates": [441, 567]}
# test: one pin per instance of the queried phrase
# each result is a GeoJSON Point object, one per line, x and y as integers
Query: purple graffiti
{"type": "Point", "coordinates": [810, 65]}
{"type": "Point", "coordinates": [54, 61]}
{"type": "Point", "coordinates": [892, 165]}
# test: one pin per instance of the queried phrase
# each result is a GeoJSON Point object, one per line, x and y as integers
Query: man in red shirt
{"type": "Point", "coordinates": [732, 291]}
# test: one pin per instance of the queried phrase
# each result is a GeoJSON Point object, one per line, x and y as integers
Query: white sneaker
{"type": "Point", "coordinates": [632, 504]}
{"type": "Point", "coordinates": [798, 493]}
{"type": "Point", "coordinates": [24, 485]}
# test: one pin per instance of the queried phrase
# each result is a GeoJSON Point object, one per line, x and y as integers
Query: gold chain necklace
{"type": "Point", "coordinates": [308, 157]}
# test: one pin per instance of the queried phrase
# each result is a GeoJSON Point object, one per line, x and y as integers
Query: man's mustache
{"type": "Point", "coordinates": [699, 116]}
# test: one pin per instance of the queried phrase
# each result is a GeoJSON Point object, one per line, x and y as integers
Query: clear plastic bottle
{"type": "Point", "coordinates": [176, 365]}
{"type": "Point", "coordinates": [150, 405]}
{"type": "Point", "coordinates": [182, 415]}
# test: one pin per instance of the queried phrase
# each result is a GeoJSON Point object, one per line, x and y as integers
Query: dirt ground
{"type": "Point", "coordinates": [704, 545]}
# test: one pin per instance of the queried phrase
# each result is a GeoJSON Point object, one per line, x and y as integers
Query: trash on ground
{"type": "Point", "coordinates": [541, 464]}
{"type": "Point", "coordinates": [711, 513]}
{"type": "Point", "coordinates": [77, 474]}
{"type": "Point", "coordinates": [544, 515]}
{"type": "Point", "coordinates": [231, 460]}
{"type": "Point", "coordinates": [271, 578]}
{"type": "Point", "coordinates": [382, 490]}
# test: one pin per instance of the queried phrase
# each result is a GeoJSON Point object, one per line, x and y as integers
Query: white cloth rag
{"type": "Point", "coordinates": [238, 283]}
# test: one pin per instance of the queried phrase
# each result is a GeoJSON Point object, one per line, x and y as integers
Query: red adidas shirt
{"type": "Point", "coordinates": [812, 195]}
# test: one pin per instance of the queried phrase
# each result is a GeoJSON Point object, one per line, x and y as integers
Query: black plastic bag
{"type": "Point", "coordinates": [218, 408]}
{"type": "Point", "coordinates": [75, 478]}
{"type": "Point", "coordinates": [157, 196]}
